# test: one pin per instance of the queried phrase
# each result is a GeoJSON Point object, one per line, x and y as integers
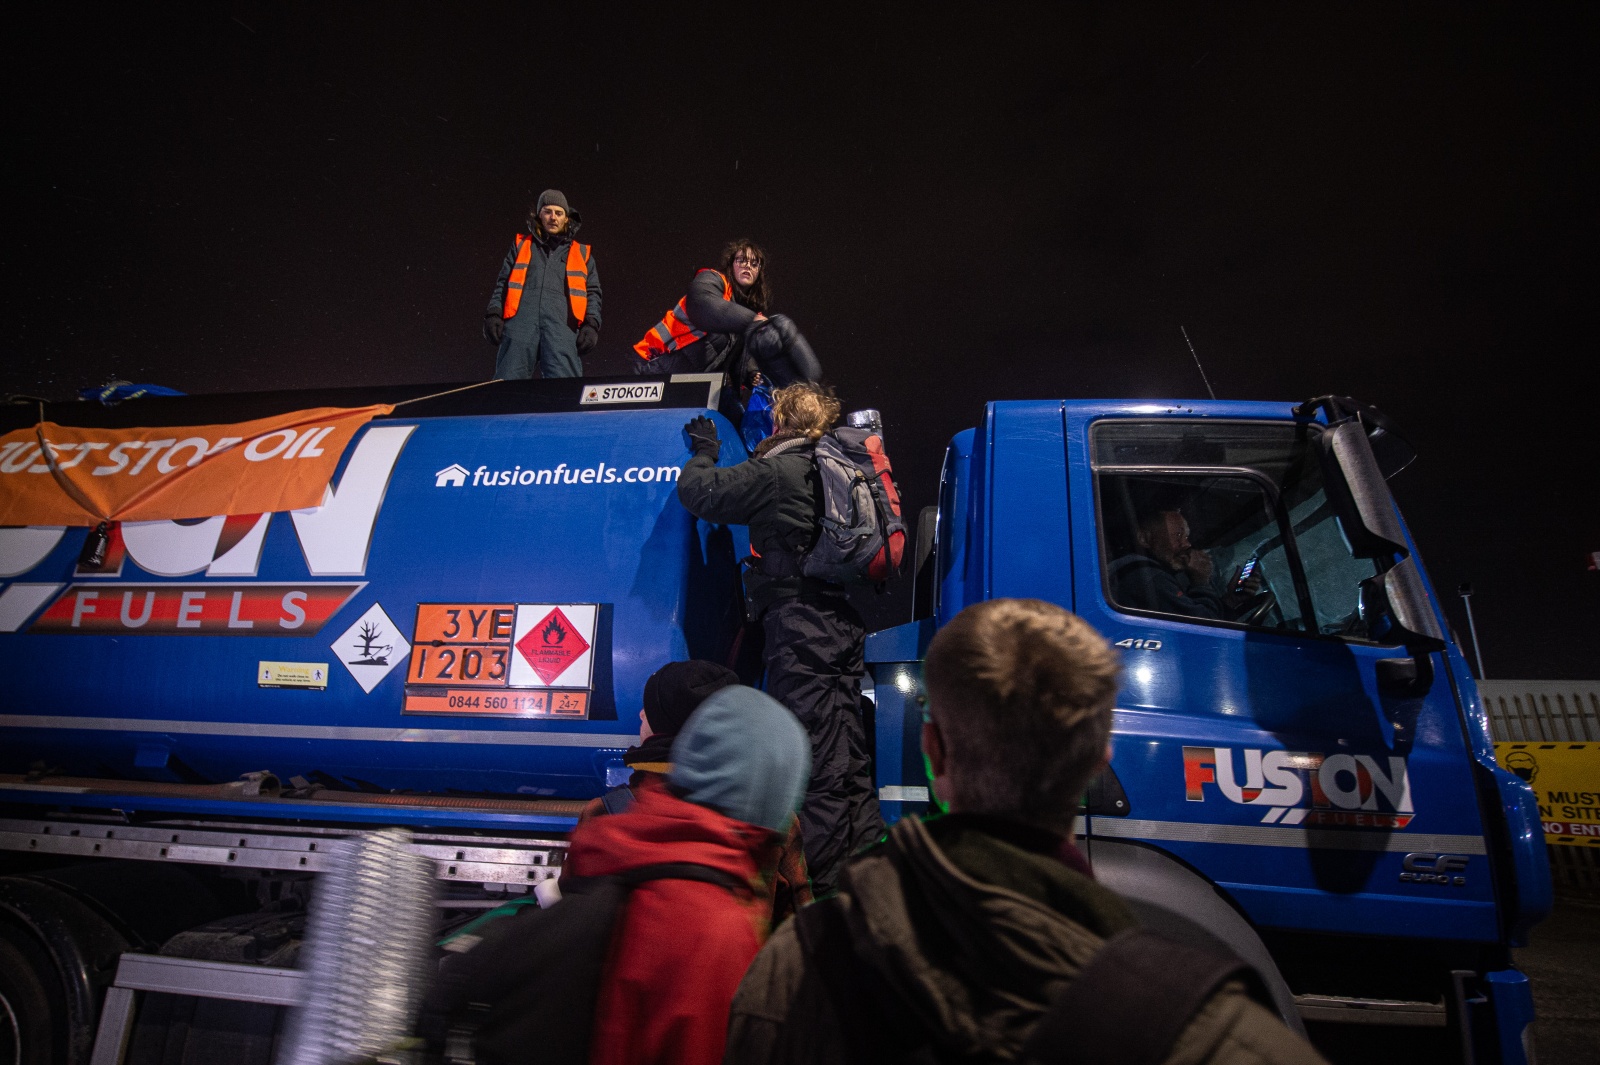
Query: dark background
{"type": "Point", "coordinates": [1011, 202]}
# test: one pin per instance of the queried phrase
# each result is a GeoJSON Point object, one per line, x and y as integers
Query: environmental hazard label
{"type": "Point", "coordinates": [371, 647]}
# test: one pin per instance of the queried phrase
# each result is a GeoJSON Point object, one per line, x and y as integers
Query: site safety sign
{"type": "Point", "coordinates": [1566, 779]}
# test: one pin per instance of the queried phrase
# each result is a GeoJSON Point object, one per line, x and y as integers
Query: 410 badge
{"type": "Point", "coordinates": [502, 659]}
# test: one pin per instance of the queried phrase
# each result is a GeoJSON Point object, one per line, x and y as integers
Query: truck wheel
{"type": "Point", "coordinates": [26, 1031]}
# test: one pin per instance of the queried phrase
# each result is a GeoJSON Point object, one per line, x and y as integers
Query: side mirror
{"type": "Point", "coordinates": [1395, 602]}
{"type": "Point", "coordinates": [1359, 493]}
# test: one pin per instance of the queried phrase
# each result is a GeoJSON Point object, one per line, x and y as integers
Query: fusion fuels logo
{"type": "Point", "coordinates": [1304, 787]}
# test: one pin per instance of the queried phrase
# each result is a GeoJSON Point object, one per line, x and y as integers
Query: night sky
{"type": "Point", "coordinates": [1395, 203]}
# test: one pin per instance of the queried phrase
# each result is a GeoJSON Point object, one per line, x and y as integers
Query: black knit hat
{"type": "Point", "coordinates": [674, 691]}
{"type": "Point", "coordinates": [552, 197]}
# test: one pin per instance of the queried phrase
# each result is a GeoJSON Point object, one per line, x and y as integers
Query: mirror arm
{"type": "Point", "coordinates": [1410, 677]}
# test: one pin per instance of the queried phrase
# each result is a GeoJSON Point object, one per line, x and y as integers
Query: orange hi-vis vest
{"type": "Point", "coordinates": [577, 277]}
{"type": "Point", "coordinates": [674, 330]}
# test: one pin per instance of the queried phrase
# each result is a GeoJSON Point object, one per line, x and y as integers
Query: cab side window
{"type": "Point", "coordinates": [1223, 523]}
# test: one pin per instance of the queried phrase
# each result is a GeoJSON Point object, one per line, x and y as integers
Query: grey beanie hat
{"type": "Point", "coordinates": [552, 198]}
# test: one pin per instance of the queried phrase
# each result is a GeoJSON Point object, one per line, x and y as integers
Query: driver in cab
{"type": "Point", "coordinates": [1169, 575]}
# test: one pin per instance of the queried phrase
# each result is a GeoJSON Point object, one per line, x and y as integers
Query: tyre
{"type": "Point", "coordinates": [27, 1023]}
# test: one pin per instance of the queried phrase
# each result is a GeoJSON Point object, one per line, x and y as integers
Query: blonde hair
{"type": "Point", "coordinates": [805, 409]}
{"type": "Point", "coordinates": [1021, 691]}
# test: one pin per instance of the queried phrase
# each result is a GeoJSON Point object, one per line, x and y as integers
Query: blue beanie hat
{"type": "Point", "coordinates": [744, 755]}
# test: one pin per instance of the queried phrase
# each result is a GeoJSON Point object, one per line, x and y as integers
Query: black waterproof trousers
{"type": "Point", "coordinates": [782, 352]}
{"type": "Point", "coordinates": [814, 650]}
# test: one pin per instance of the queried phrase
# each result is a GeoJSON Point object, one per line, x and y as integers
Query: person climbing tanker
{"type": "Point", "coordinates": [805, 479]}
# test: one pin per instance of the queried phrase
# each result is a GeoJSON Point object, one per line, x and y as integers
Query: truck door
{"type": "Point", "coordinates": [1259, 739]}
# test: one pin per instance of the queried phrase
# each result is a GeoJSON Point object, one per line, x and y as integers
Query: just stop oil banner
{"type": "Point", "coordinates": [64, 475]}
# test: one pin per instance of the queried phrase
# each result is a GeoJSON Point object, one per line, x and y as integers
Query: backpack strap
{"type": "Point", "coordinates": [1131, 1002]}
{"type": "Point", "coordinates": [618, 800]}
{"type": "Point", "coordinates": [705, 874]}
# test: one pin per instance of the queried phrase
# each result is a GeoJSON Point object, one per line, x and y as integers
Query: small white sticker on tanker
{"type": "Point", "coordinates": [312, 675]}
{"type": "Point", "coordinates": [599, 395]}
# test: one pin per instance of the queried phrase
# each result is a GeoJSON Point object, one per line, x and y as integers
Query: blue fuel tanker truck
{"type": "Point", "coordinates": [198, 714]}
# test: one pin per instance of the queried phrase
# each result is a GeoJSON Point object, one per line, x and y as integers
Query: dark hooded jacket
{"type": "Point", "coordinates": [724, 322]}
{"type": "Point", "coordinates": [969, 936]}
{"type": "Point", "coordinates": [1145, 583]}
{"type": "Point", "coordinates": [778, 494]}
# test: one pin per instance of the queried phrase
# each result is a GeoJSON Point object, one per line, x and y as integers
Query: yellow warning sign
{"type": "Point", "coordinates": [1566, 779]}
{"type": "Point", "coordinates": [292, 675]}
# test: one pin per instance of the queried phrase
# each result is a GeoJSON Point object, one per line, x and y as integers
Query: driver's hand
{"type": "Point", "coordinates": [1198, 565]}
{"type": "Point", "coordinates": [1252, 585]}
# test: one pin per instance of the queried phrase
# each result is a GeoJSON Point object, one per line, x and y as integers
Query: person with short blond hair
{"type": "Point", "coordinates": [1019, 710]}
{"type": "Point", "coordinates": [964, 937]}
{"type": "Point", "coordinates": [815, 640]}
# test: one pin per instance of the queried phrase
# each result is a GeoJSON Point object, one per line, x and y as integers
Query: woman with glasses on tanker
{"type": "Point", "coordinates": [723, 325]}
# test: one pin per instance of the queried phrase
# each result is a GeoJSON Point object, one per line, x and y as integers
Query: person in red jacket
{"type": "Point", "coordinates": [739, 769]}
{"type": "Point", "coordinates": [671, 694]}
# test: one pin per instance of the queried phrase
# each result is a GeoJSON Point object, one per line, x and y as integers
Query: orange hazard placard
{"type": "Point", "coordinates": [465, 660]}
{"type": "Point", "coordinates": [67, 475]}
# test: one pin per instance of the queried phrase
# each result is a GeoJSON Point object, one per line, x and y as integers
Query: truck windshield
{"type": "Point", "coordinates": [1223, 523]}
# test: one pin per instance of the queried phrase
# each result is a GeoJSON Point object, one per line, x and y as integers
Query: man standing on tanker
{"type": "Point", "coordinates": [722, 326]}
{"type": "Point", "coordinates": [544, 313]}
{"type": "Point", "coordinates": [815, 640]}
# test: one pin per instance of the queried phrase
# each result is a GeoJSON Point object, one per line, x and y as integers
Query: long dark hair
{"type": "Point", "coordinates": [758, 297]}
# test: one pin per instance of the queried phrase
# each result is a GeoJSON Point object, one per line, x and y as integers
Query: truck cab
{"type": "Point", "coordinates": [1301, 763]}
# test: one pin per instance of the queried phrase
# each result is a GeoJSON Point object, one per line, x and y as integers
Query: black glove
{"type": "Point", "coordinates": [494, 328]}
{"type": "Point", "coordinates": [702, 434]}
{"type": "Point", "coordinates": [588, 337]}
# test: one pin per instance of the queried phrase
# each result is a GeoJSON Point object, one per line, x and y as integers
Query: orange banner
{"type": "Point", "coordinates": [67, 475]}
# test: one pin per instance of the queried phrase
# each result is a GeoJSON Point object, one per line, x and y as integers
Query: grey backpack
{"type": "Point", "coordinates": [863, 536]}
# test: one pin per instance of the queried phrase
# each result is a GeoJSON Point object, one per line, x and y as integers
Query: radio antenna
{"type": "Point", "coordinates": [1197, 365]}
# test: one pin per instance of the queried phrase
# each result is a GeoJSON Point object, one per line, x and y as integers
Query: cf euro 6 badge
{"type": "Point", "coordinates": [601, 395]}
{"type": "Point", "coordinates": [1424, 868]}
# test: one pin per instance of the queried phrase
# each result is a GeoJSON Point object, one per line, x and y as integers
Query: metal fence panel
{"type": "Point", "coordinates": [1531, 711]}
{"type": "Point", "coordinates": [1551, 711]}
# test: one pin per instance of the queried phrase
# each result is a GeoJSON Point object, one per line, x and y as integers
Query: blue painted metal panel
{"type": "Point", "coordinates": [1020, 517]}
{"type": "Point", "coordinates": [895, 658]}
{"type": "Point", "coordinates": [1027, 498]}
{"type": "Point", "coordinates": [666, 587]}
{"type": "Point", "coordinates": [1511, 1000]}
{"type": "Point", "coordinates": [1204, 714]}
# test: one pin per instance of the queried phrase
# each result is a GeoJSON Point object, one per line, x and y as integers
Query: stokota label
{"type": "Point", "coordinates": [599, 395]}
